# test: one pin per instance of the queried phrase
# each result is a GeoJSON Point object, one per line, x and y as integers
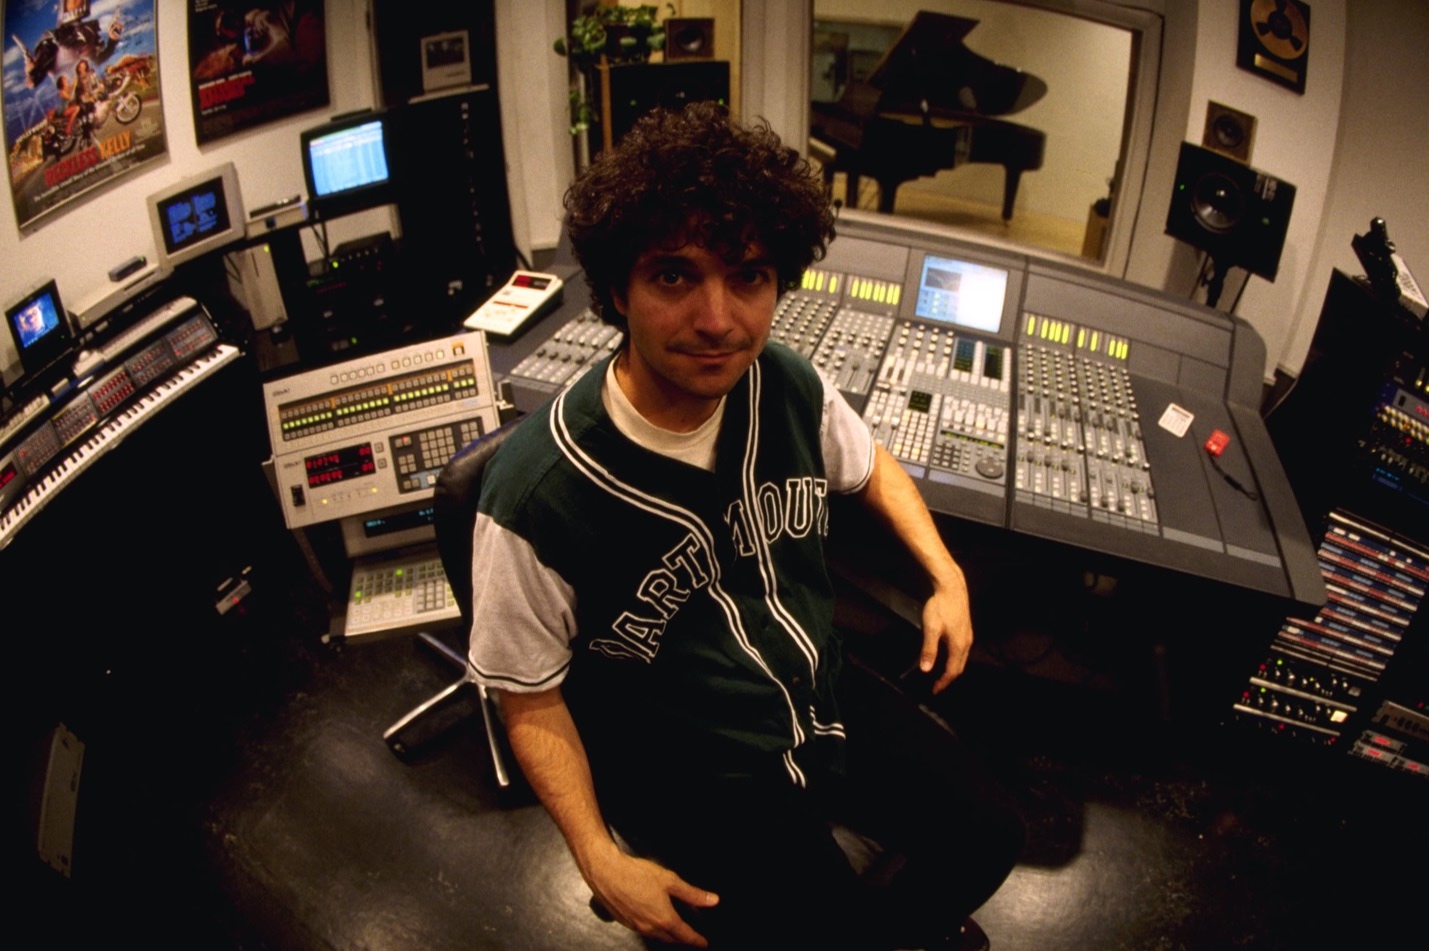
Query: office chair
{"type": "Point", "coordinates": [454, 501]}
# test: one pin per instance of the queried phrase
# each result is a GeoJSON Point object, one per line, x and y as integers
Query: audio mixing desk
{"type": "Point", "coordinates": [1029, 395]}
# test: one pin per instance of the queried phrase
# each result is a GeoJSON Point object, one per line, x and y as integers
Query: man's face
{"type": "Point", "coordinates": [694, 325]}
{"type": "Point", "coordinates": [32, 319]}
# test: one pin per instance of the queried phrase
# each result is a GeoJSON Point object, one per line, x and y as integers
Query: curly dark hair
{"type": "Point", "coordinates": [695, 176]}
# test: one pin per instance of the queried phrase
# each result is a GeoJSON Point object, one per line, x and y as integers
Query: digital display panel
{"type": "Point", "coordinates": [401, 522]}
{"type": "Point", "coordinates": [195, 215]}
{"type": "Point", "coordinates": [348, 159]}
{"type": "Point", "coordinates": [962, 293]}
{"type": "Point", "coordinates": [350, 462]}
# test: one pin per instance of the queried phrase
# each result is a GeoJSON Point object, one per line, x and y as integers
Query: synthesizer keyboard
{"type": "Point", "coordinates": [55, 444]}
{"type": "Point", "coordinates": [105, 438]}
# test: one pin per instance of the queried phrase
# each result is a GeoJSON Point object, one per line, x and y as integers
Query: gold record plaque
{"type": "Point", "coordinates": [1275, 40]}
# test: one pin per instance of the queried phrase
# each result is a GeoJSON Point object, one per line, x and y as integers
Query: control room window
{"type": "Point", "coordinates": [1049, 94]}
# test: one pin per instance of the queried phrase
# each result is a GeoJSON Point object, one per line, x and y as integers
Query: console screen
{"type": "Point", "coordinates": [959, 292]}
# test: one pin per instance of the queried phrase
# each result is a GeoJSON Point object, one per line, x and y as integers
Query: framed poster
{"type": "Point", "coordinates": [81, 99]}
{"type": "Point", "coordinates": [251, 63]}
{"type": "Point", "coordinates": [1274, 41]}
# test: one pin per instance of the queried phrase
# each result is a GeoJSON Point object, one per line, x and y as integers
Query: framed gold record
{"type": "Point", "coordinates": [1275, 40]}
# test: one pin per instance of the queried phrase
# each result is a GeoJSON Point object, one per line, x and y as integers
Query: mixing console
{"type": "Point", "coordinates": [1030, 396]}
{"type": "Point", "coordinates": [942, 401]}
{"type": "Point", "coordinates": [1079, 430]}
{"type": "Point", "coordinates": [575, 347]}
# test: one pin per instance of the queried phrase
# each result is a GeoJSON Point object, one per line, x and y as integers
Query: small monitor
{"type": "Point", "coordinates": [40, 330]}
{"type": "Point", "coordinates": [196, 216]}
{"type": "Point", "coordinates": [962, 293]}
{"type": "Point", "coordinates": [347, 164]}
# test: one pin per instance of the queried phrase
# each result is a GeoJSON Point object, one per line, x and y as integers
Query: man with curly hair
{"type": "Point", "coordinates": [651, 601]}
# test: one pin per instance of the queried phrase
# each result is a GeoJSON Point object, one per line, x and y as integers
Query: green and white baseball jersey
{"type": "Point", "coordinates": [686, 614]}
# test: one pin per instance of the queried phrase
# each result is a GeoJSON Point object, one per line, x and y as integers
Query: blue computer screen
{"type": "Point", "coordinates": [196, 214]}
{"type": "Point", "coordinates": [35, 319]}
{"type": "Point", "coordinates": [348, 159]}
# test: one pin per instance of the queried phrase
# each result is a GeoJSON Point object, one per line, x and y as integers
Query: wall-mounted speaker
{"type": "Point", "coordinates": [1234, 213]}
{"type": "Point", "coordinates": [689, 38]}
{"type": "Point", "coordinates": [1228, 131]}
{"type": "Point", "coordinates": [636, 88]}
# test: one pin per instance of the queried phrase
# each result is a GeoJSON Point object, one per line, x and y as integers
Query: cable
{"type": "Point", "coordinates": [1200, 276]}
{"type": "Point", "coordinates": [1236, 303]}
{"type": "Point", "coordinates": [1231, 480]}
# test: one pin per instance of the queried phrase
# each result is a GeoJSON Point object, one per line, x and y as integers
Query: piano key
{"type": "Point", "coordinates": [109, 435]}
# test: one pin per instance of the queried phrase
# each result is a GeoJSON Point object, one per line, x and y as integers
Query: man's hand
{"type": "Point", "coordinates": [947, 623]}
{"type": "Point", "coordinates": [947, 629]}
{"type": "Point", "coordinates": [638, 893]}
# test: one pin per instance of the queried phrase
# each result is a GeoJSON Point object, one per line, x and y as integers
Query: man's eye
{"type": "Point", "coordinates": [669, 278]}
{"type": "Point", "coordinates": [755, 277]}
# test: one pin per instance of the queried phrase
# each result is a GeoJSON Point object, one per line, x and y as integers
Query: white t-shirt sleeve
{"type": "Point", "coordinates": [523, 614]}
{"type": "Point", "coordinates": [847, 443]}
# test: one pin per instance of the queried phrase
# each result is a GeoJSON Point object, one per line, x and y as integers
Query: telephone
{"type": "Point", "coordinates": [1386, 270]}
{"type": "Point", "coordinates": [525, 297]}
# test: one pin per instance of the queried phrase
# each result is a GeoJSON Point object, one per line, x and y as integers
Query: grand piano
{"type": "Point", "coordinates": [930, 103]}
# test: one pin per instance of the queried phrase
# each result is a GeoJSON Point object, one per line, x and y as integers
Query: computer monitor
{"type": "Point", "coordinates": [347, 164]}
{"type": "Point", "coordinates": [40, 330]}
{"type": "Point", "coordinates": [196, 216]}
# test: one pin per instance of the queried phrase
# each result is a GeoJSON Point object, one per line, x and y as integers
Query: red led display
{"type": "Point", "coordinates": [346, 463]}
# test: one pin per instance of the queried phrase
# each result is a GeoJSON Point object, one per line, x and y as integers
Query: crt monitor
{"type": "Point", "coordinates": [347, 164]}
{"type": "Point", "coordinates": [196, 216]}
{"type": "Point", "coordinates": [40, 330]}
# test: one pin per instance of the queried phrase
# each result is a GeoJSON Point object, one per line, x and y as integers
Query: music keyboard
{"type": "Point", "coordinates": [102, 440]}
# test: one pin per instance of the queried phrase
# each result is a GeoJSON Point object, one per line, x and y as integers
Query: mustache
{"type": "Point", "coordinates": [713, 350]}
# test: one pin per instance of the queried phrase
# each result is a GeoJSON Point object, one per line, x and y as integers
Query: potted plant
{"type": "Point", "coordinates": [607, 34]}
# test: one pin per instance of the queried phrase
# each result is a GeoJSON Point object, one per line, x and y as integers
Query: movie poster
{"type": "Point", "coordinates": [251, 63]}
{"type": "Point", "coordinates": [80, 96]}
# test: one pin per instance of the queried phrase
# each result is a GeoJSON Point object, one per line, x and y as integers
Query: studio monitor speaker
{"type": "Point", "coordinates": [636, 88]}
{"type": "Point", "coordinates": [1234, 213]}
{"type": "Point", "coordinates": [689, 38]}
{"type": "Point", "coordinates": [1228, 131]}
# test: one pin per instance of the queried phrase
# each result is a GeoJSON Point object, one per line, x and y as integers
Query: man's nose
{"type": "Point", "coordinates": [714, 310]}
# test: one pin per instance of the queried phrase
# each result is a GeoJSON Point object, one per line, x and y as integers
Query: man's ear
{"type": "Point", "coordinates": [621, 303]}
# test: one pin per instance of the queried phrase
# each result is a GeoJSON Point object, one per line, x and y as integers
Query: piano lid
{"type": "Point", "coordinates": [929, 63]}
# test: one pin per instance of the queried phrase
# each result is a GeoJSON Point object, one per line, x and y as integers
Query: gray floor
{"type": "Point", "coordinates": [256, 806]}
